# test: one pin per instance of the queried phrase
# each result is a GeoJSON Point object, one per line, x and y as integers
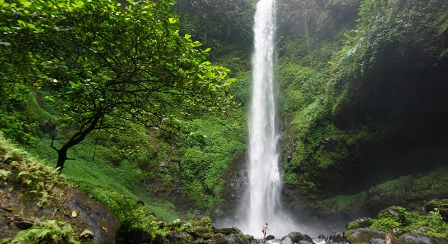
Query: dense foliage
{"type": "Point", "coordinates": [398, 220]}
{"type": "Point", "coordinates": [102, 64]}
{"type": "Point", "coordinates": [345, 115]}
{"type": "Point", "coordinates": [78, 68]}
{"type": "Point", "coordinates": [361, 83]}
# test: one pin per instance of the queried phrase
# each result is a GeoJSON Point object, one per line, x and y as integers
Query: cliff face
{"type": "Point", "coordinates": [380, 113]}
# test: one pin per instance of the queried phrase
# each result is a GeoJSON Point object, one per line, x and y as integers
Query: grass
{"type": "Point", "coordinates": [87, 170]}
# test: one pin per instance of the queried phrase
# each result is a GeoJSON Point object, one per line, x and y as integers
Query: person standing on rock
{"type": "Point", "coordinates": [389, 238]}
{"type": "Point", "coordinates": [263, 230]}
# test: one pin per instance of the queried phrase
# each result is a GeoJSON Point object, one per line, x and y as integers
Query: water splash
{"type": "Point", "coordinates": [263, 198]}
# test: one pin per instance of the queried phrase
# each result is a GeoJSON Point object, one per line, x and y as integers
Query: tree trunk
{"type": "Point", "coordinates": [77, 138]}
{"type": "Point", "coordinates": [62, 157]}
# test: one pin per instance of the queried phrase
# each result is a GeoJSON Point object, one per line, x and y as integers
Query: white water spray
{"type": "Point", "coordinates": [263, 199]}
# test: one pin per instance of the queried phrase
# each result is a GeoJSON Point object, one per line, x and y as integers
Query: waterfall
{"type": "Point", "coordinates": [263, 196]}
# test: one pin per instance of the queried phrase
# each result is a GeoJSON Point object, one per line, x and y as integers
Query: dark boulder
{"type": "Point", "coordinates": [270, 237]}
{"type": "Point", "coordinates": [321, 238]}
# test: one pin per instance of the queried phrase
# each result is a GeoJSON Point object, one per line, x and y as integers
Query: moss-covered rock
{"type": "Point", "coordinates": [359, 223]}
{"type": "Point", "coordinates": [32, 194]}
{"type": "Point", "coordinates": [363, 235]}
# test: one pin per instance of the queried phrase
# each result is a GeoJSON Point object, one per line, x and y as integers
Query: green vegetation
{"type": "Point", "coordinates": [133, 68]}
{"type": "Point", "coordinates": [124, 96]}
{"type": "Point", "coordinates": [42, 184]}
{"type": "Point", "coordinates": [35, 179]}
{"type": "Point", "coordinates": [131, 64]}
{"type": "Point", "coordinates": [204, 155]}
{"type": "Point", "coordinates": [127, 105]}
{"type": "Point", "coordinates": [333, 87]}
{"type": "Point", "coordinates": [405, 190]}
{"type": "Point", "coordinates": [39, 184]}
{"type": "Point", "coordinates": [48, 231]}
{"type": "Point", "coordinates": [399, 221]}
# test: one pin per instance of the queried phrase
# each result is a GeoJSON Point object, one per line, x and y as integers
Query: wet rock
{"type": "Point", "coordinates": [287, 240]}
{"type": "Point", "coordinates": [414, 238]}
{"type": "Point", "coordinates": [296, 237]}
{"type": "Point", "coordinates": [304, 242]}
{"type": "Point", "coordinates": [179, 237]}
{"type": "Point", "coordinates": [320, 238]}
{"type": "Point", "coordinates": [199, 232]}
{"type": "Point", "coordinates": [228, 231]}
{"type": "Point", "coordinates": [270, 237]}
{"type": "Point", "coordinates": [378, 241]}
{"type": "Point", "coordinates": [359, 223]}
{"type": "Point", "coordinates": [91, 214]}
{"type": "Point", "coordinates": [231, 235]}
{"type": "Point", "coordinates": [363, 235]}
{"type": "Point", "coordinates": [337, 238]}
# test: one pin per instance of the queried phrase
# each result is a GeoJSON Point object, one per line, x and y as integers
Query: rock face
{"type": "Point", "coordinates": [30, 194]}
{"type": "Point", "coordinates": [90, 215]}
{"type": "Point", "coordinates": [236, 179]}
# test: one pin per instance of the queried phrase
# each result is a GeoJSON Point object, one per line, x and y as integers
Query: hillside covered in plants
{"type": "Point", "coordinates": [143, 106]}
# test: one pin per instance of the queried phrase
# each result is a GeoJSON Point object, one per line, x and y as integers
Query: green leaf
{"type": "Point", "coordinates": [351, 38]}
{"type": "Point", "coordinates": [172, 20]}
{"type": "Point", "coordinates": [24, 3]}
{"type": "Point", "coordinates": [78, 4]}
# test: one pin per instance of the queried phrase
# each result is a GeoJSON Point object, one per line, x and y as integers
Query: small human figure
{"type": "Point", "coordinates": [263, 230]}
{"type": "Point", "coordinates": [389, 238]}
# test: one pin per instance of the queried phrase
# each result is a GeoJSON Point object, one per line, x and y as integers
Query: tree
{"type": "Point", "coordinates": [103, 64]}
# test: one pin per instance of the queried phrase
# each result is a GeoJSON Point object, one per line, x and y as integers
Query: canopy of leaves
{"type": "Point", "coordinates": [101, 60]}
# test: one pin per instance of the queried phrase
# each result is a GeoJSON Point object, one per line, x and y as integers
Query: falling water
{"type": "Point", "coordinates": [263, 198]}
